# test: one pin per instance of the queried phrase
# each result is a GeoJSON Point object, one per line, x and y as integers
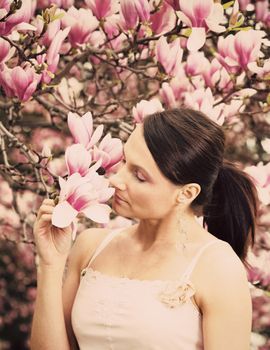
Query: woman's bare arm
{"type": "Point", "coordinates": [51, 327]}
{"type": "Point", "coordinates": [82, 250]}
{"type": "Point", "coordinates": [48, 327]}
{"type": "Point", "coordinates": [226, 303]}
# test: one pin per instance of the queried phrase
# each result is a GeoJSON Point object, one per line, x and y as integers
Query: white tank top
{"type": "Point", "coordinates": [118, 313]}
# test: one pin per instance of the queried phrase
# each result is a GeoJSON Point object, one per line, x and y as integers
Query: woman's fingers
{"type": "Point", "coordinates": [48, 201]}
{"type": "Point", "coordinates": [46, 218]}
{"type": "Point", "coordinates": [45, 208]}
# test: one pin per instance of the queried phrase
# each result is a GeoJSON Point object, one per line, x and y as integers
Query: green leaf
{"type": "Point", "coordinates": [268, 99]}
{"type": "Point", "coordinates": [59, 16]}
{"type": "Point", "coordinates": [240, 21]}
{"type": "Point", "coordinates": [237, 29]}
{"type": "Point", "coordinates": [187, 32]}
{"type": "Point", "coordinates": [227, 4]}
{"type": "Point", "coordinates": [267, 293]}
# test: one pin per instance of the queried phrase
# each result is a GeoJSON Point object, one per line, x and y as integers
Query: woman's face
{"type": "Point", "coordinates": [141, 190]}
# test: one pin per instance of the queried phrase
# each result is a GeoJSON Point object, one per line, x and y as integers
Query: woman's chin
{"type": "Point", "coordinates": [119, 210]}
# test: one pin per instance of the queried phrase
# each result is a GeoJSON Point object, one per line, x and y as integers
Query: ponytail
{"type": "Point", "coordinates": [231, 213]}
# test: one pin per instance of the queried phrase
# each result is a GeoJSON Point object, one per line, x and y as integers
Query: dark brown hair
{"type": "Point", "coordinates": [189, 147]}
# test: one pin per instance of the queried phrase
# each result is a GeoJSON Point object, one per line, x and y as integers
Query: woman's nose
{"type": "Point", "coordinates": [117, 182]}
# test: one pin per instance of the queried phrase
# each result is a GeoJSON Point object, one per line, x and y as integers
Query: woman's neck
{"type": "Point", "coordinates": [169, 230]}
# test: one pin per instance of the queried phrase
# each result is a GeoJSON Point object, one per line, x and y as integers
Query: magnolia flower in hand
{"type": "Point", "coordinates": [85, 195]}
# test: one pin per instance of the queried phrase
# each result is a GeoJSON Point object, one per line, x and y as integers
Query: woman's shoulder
{"type": "Point", "coordinates": [221, 273]}
{"type": "Point", "coordinates": [223, 263]}
{"type": "Point", "coordinates": [86, 244]}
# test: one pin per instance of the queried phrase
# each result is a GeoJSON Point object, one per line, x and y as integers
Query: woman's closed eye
{"type": "Point", "coordinates": [136, 172]}
{"type": "Point", "coordinates": [139, 176]}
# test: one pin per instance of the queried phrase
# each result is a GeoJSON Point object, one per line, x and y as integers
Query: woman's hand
{"type": "Point", "coordinates": [53, 243]}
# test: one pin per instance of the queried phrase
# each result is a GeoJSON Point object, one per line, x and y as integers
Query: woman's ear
{"type": "Point", "coordinates": [188, 193]}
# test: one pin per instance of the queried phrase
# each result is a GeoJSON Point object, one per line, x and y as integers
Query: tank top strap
{"type": "Point", "coordinates": [194, 261]}
{"type": "Point", "coordinates": [102, 245]}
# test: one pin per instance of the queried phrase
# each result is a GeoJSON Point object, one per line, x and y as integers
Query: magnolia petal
{"type": "Point", "coordinates": [77, 129]}
{"type": "Point", "coordinates": [116, 154]}
{"type": "Point", "coordinates": [77, 159]}
{"type": "Point", "coordinates": [72, 183]}
{"type": "Point", "coordinates": [99, 213]}
{"type": "Point", "coordinates": [196, 39]}
{"type": "Point", "coordinates": [24, 26]}
{"type": "Point", "coordinates": [105, 141]}
{"type": "Point", "coordinates": [105, 195]}
{"type": "Point", "coordinates": [87, 120]}
{"type": "Point", "coordinates": [105, 157]}
{"type": "Point", "coordinates": [184, 18]}
{"type": "Point", "coordinates": [30, 90]}
{"type": "Point", "coordinates": [62, 182]}
{"type": "Point", "coordinates": [215, 18]}
{"type": "Point", "coordinates": [96, 136]}
{"type": "Point", "coordinates": [63, 214]}
{"type": "Point", "coordinates": [74, 227]}
{"type": "Point", "coordinates": [20, 80]}
{"type": "Point", "coordinates": [96, 166]}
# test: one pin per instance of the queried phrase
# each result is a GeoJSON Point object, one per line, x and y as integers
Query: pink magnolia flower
{"type": "Point", "coordinates": [47, 70]}
{"type": "Point", "coordinates": [67, 3]}
{"type": "Point", "coordinates": [201, 16]}
{"type": "Point", "coordinates": [181, 84]}
{"type": "Point", "coordinates": [42, 4]}
{"type": "Point", "coordinates": [111, 26]}
{"type": "Point", "coordinates": [52, 30]}
{"type": "Point", "coordinates": [4, 7]}
{"type": "Point", "coordinates": [163, 20]}
{"type": "Point", "coordinates": [6, 193]}
{"type": "Point", "coordinates": [51, 58]}
{"type": "Point", "coordinates": [21, 82]}
{"type": "Point", "coordinates": [263, 12]}
{"type": "Point", "coordinates": [169, 55]}
{"type": "Point", "coordinates": [78, 159]}
{"type": "Point", "coordinates": [203, 100]}
{"type": "Point", "coordinates": [6, 51]}
{"type": "Point", "coordinates": [196, 63]}
{"type": "Point", "coordinates": [103, 8]}
{"type": "Point", "coordinates": [134, 10]}
{"type": "Point", "coordinates": [211, 72]}
{"type": "Point", "coordinates": [19, 20]}
{"type": "Point", "coordinates": [243, 4]}
{"type": "Point", "coordinates": [109, 151]}
{"type": "Point", "coordinates": [238, 52]}
{"type": "Point", "coordinates": [174, 4]}
{"type": "Point", "coordinates": [144, 108]}
{"type": "Point", "coordinates": [55, 45]}
{"type": "Point", "coordinates": [261, 175]}
{"type": "Point", "coordinates": [6, 81]}
{"type": "Point", "coordinates": [263, 72]}
{"type": "Point", "coordinates": [237, 105]}
{"type": "Point", "coordinates": [8, 217]}
{"type": "Point", "coordinates": [81, 129]}
{"type": "Point", "coordinates": [167, 95]}
{"type": "Point", "coordinates": [85, 195]}
{"type": "Point", "coordinates": [82, 23]}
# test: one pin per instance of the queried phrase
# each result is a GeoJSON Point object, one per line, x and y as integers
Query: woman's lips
{"type": "Point", "coordinates": [119, 199]}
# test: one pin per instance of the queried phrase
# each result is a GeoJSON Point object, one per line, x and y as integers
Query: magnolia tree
{"type": "Point", "coordinates": [75, 76]}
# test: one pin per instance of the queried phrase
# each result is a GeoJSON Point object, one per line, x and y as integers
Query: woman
{"type": "Point", "coordinates": [166, 282]}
